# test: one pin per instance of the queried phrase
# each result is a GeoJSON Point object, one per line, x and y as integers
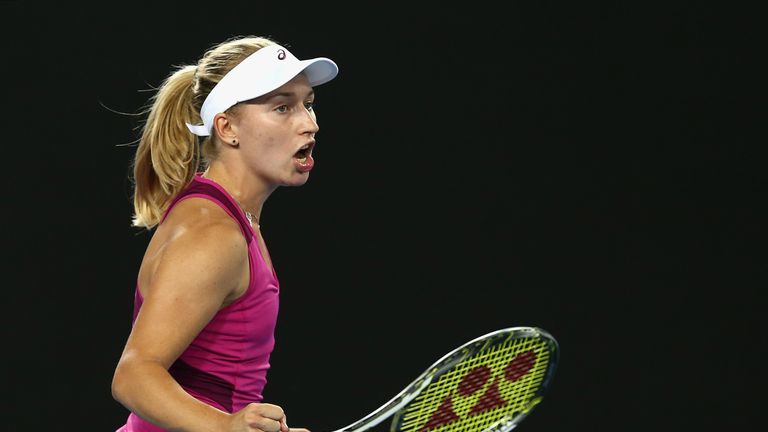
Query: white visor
{"type": "Point", "coordinates": [260, 73]}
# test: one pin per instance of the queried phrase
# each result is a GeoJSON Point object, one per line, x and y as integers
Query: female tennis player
{"type": "Point", "coordinates": [220, 136]}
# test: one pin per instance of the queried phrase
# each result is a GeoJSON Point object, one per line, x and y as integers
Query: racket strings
{"type": "Point", "coordinates": [500, 380]}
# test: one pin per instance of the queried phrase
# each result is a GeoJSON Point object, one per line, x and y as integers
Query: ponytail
{"type": "Point", "coordinates": [168, 155]}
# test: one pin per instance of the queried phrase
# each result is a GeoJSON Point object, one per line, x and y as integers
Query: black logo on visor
{"type": "Point", "coordinates": [280, 54]}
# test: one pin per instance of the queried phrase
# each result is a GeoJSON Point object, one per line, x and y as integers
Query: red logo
{"type": "Point", "coordinates": [473, 382]}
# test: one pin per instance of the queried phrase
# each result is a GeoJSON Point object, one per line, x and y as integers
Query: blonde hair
{"type": "Point", "coordinates": [168, 154]}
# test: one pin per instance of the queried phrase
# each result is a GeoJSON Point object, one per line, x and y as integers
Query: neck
{"type": "Point", "coordinates": [248, 193]}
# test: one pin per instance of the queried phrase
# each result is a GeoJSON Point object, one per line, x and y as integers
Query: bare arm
{"type": "Point", "coordinates": [195, 273]}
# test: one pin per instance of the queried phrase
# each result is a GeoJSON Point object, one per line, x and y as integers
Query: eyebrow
{"type": "Point", "coordinates": [289, 94]}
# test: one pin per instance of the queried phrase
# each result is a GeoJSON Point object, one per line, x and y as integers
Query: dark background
{"type": "Point", "coordinates": [594, 170]}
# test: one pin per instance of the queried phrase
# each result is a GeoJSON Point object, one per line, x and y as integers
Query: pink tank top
{"type": "Point", "coordinates": [226, 364]}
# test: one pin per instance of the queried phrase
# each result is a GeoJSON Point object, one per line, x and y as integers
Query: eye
{"type": "Point", "coordinates": [282, 108]}
{"type": "Point", "coordinates": [310, 105]}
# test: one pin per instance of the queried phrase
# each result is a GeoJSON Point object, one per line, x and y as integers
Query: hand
{"type": "Point", "coordinates": [259, 417]}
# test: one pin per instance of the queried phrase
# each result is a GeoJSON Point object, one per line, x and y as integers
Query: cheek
{"type": "Point", "coordinates": [270, 143]}
{"type": "Point", "coordinates": [269, 148]}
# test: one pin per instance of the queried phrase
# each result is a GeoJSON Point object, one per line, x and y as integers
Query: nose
{"type": "Point", "coordinates": [309, 123]}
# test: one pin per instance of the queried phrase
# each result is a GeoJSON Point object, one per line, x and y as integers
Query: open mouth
{"type": "Point", "coordinates": [303, 152]}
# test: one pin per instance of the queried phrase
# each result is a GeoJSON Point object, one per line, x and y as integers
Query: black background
{"type": "Point", "coordinates": [594, 170]}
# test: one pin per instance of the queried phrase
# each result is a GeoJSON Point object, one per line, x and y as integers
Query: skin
{"type": "Point", "coordinates": [184, 284]}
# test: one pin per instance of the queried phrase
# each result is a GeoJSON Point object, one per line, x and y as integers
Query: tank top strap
{"type": "Point", "coordinates": [201, 187]}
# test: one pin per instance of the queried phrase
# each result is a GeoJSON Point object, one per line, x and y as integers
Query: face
{"type": "Point", "coordinates": [276, 133]}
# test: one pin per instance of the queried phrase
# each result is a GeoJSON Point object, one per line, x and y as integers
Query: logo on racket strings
{"type": "Point", "coordinates": [458, 405]}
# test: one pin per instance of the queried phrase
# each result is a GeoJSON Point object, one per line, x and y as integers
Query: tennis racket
{"type": "Point", "coordinates": [489, 384]}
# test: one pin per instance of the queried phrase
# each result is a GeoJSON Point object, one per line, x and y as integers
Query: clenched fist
{"type": "Point", "coordinates": [260, 417]}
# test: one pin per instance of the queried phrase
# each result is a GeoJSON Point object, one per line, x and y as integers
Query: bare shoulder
{"type": "Point", "coordinates": [199, 217]}
{"type": "Point", "coordinates": [198, 244]}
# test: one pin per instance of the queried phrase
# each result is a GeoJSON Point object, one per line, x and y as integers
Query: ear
{"type": "Point", "coordinates": [224, 129]}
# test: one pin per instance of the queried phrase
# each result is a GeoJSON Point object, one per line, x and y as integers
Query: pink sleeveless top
{"type": "Point", "coordinates": [226, 364]}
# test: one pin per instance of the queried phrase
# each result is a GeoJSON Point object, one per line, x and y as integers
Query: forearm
{"type": "Point", "coordinates": [147, 389]}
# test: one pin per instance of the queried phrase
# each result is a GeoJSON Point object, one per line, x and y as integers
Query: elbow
{"type": "Point", "coordinates": [131, 376]}
{"type": "Point", "coordinates": [117, 385]}
{"type": "Point", "coordinates": [120, 382]}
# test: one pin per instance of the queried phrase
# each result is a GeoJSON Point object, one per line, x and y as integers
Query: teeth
{"type": "Point", "coordinates": [305, 147]}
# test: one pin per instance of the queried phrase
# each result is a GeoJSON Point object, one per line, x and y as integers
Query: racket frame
{"type": "Point", "coordinates": [447, 362]}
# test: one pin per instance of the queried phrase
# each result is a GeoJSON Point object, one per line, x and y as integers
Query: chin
{"type": "Point", "coordinates": [299, 180]}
